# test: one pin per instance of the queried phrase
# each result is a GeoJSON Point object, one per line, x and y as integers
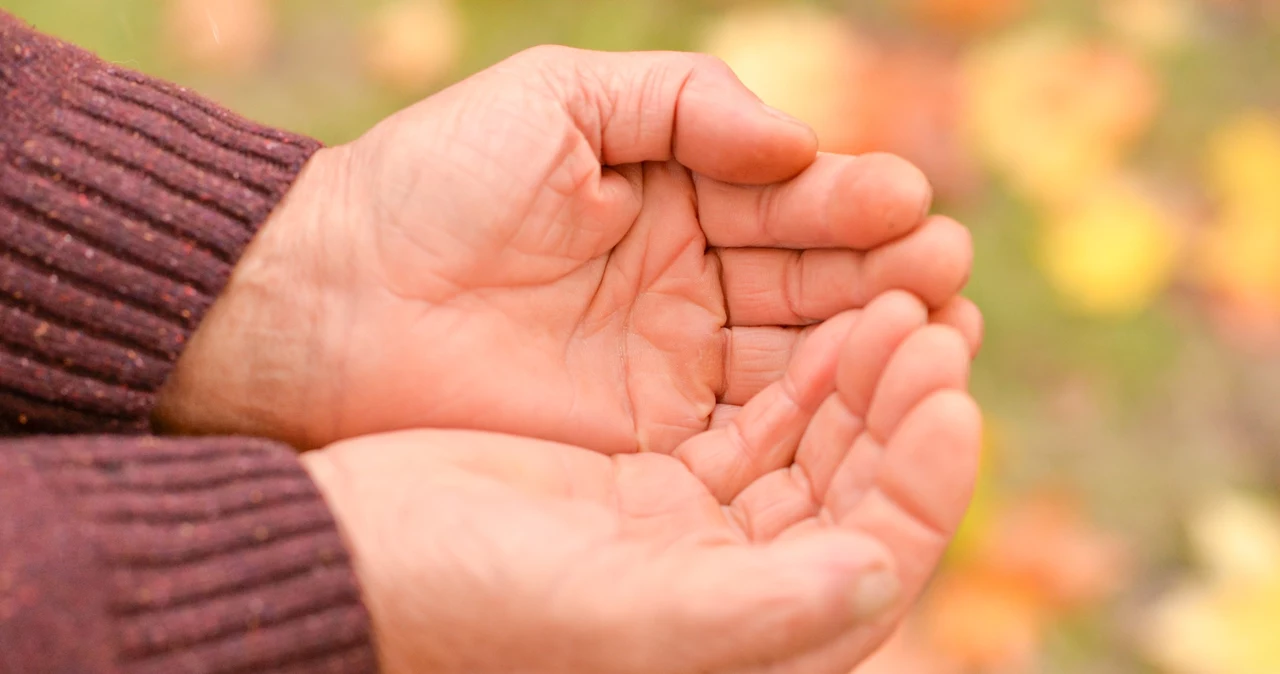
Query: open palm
{"type": "Point", "coordinates": [790, 544]}
{"type": "Point", "coordinates": [500, 257]}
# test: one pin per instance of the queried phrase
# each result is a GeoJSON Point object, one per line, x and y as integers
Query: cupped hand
{"type": "Point", "coordinates": [600, 249]}
{"type": "Point", "coordinates": [789, 539]}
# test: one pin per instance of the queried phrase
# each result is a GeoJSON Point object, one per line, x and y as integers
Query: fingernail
{"type": "Point", "coordinates": [774, 112]}
{"type": "Point", "coordinates": [874, 594]}
{"type": "Point", "coordinates": [927, 206]}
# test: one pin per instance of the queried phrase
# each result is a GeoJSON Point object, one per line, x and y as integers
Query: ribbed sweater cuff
{"type": "Point", "coordinates": [216, 556]}
{"type": "Point", "coordinates": [124, 204]}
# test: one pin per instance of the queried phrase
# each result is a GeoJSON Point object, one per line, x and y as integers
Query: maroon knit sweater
{"type": "Point", "coordinates": [124, 204]}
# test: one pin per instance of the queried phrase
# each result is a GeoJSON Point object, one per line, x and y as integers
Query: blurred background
{"type": "Point", "coordinates": [1119, 163]}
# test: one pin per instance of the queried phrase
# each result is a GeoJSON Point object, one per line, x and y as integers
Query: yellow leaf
{"type": "Point", "coordinates": [1152, 24]}
{"type": "Point", "coordinates": [412, 44]}
{"type": "Point", "coordinates": [1056, 115]}
{"type": "Point", "coordinates": [1238, 537]}
{"type": "Point", "coordinates": [1211, 629]}
{"type": "Point", "coordinates": [1112, 253]}
{"type": "Point", "coordinates": [799, 59]}
{"type": "Point", "coordinates": [1243, 162]}
{"type": "Point", "coordinates": [1237, 258]}
{"type": "Point", "coordinates": [1226, 622]}
{"type": "Point", "coordinates": [220, 35]}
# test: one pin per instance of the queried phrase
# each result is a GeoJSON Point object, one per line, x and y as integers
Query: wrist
{"type": "Point", "coordinates": [252, 366]}
{"type": "Point", "coordinates": [329, 472]}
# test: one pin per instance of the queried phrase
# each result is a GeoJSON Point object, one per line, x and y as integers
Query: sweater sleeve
{"type": "Point", "coordinates": [145, 556]}
{"type": "Point", "coordinates": [124, 204]}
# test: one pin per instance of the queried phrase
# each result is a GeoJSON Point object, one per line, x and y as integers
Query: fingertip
{"type": "Point", "coordinates": [948, 406]}
{"type": "Point", "coordinates": [946, 338]}
{"type": "Point", "coordinates": [881, 197]}
{"type": "Point", "coordinates": [804, 137]}
{"type": "Point", "coordinates": [965, 316]}
{"type": "Point", "coordinates": [875, 594]}
{"type": "Point", "coordinates": [838, 325]}
{"type": "Point", "coordinates": [897, 307]}
{"type": "Point", "coordinates": [959, 410]}
{"type": "Point", "coordinates": [723, 131]}
{"type": "Point", "coordinates": [930, 359]}
{"type": "Point", "coordinates": [934, 261]}
{"type": "Point", "coordinates": [845, 564]}
{"type": "Point", "coordinates": [951, 255]}
{"type": "Point", "coordinates": [941, 345]}
{"type": "Point", "coordinates": [735, 607]}
{"type": "Point", "coordinates": [812, 370]}
{"type": "Point", "coordinates": [871, 345]}
{"type": "Point", "coordinates": [895, 312]}
{"type": "Point", "coordinates": [952, 414]}
{"type": "Point", "coordinates": [931, 460]}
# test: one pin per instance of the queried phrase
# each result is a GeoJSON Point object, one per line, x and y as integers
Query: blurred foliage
{"type": "Point", "coordinates": [1118, 162]}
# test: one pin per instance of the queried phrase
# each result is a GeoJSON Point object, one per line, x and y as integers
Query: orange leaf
{"type": "Point", "coordinates": [908, 652]}
{"type": "Point", "coordinates": [1061, 558]}
{"type": "Point", "coordinates": [916, 111]}
{"type": "Point", "coordinates": [984, 620]}
{"type": "Point", "coordinates": [967, 15]}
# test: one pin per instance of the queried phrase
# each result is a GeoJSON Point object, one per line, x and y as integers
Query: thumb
{"type": "Point", "coordinates": [719, 607]}
{"type": "Point", "coordinates": [654, 106]}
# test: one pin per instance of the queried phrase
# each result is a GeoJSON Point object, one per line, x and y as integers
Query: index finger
{"type": "Point", "coordinates": [839, 201]}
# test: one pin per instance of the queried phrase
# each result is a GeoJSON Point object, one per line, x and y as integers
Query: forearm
{"type": "Point", "coordinates": [125, 202]}
{"type": "Point", "coordinates": [144, 555]}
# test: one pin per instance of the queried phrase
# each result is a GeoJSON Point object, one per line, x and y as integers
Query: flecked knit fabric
{"type": "Point", "coordinates": [145, 556]}
{"type": "Point", "coordinates": [124, 204]}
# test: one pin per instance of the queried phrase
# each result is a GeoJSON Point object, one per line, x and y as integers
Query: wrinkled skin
{"type": "Point", "coordinates": [792, 543]}
{"type": "Point", "coordinates": [616, 251]}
